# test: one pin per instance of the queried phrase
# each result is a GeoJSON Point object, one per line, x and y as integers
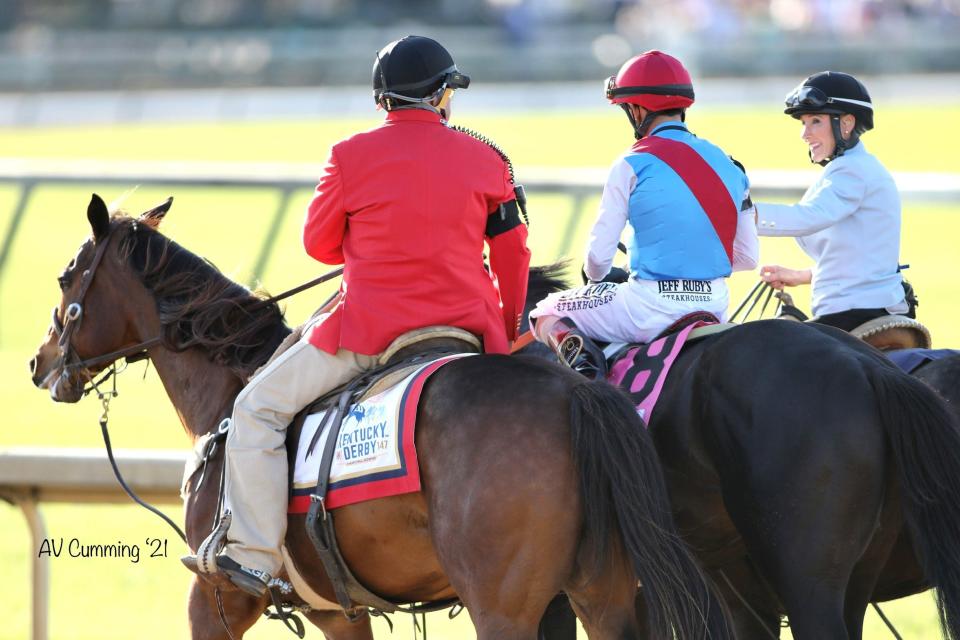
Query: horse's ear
{"type": "Point", "coordinates": [153, 217]}
{"type": "Point", "coordinates": [99, 217]}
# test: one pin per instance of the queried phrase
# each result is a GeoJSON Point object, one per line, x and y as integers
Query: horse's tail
{"type": "Point", "coordinates": [624, 493]}
{"type": "Point", "coordinates": [925, 439]}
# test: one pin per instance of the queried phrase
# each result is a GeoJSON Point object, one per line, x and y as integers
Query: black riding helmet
{"type": "Point", "coordinates": [835, 94]}
{"type": "Point", "coordinates": [414, 69]}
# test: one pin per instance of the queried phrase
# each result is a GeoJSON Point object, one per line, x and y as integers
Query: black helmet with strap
{"type": "Point", "coordinates": [413, 71]}
{"type": "Point", "coordinates": [835, 94]}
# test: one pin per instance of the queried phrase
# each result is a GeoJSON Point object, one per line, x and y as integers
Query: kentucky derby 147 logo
{"type": "Point", "coordinates": [366, 433]}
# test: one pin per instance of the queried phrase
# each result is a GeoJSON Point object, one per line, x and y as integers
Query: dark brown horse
{"type": "Point", "coordinates": [534, 480]}
{"type": "Point", "coordinates": [795, 456]}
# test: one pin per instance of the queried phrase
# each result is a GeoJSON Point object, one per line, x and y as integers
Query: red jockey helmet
{"type": "Point", "coordinates": [654, 80]}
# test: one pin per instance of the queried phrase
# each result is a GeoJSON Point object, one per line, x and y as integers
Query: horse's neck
{"type": "Point", "coordinates": [201, 391]}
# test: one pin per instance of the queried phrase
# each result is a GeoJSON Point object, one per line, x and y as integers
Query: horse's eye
{"type": "Point", "coordinates": [64, 282]}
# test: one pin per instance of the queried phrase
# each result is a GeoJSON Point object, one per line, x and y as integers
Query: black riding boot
{"type": "Point", "coordinates": [576, 350]}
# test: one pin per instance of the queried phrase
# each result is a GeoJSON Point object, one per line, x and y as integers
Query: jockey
{"type": "Point", "coordinates": [690, 217]}
{"type": "Point", "coordinates": [406, 208]}
{"type": "Point", "coordinates": [848, 221]}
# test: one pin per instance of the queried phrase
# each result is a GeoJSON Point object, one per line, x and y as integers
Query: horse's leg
{"type": "Point", "coordinates": [504, 508]}
{"type": "Point", "coordinates": [866, 574]}
{"type": "Point", "coordinates": [605, 604]}
{"type": "Point", "coordinates": [808, 535]}
{"type": "Point", "coordinates": [902, 574]}
{"type": "Point", "coordinates": [523, 566]}
{"type": "Point", "coordinates": [753, 609]}
{"type": "Point", "coordinates": [752, 613]}
{"type": "Point", "coordinates": [335, 625]}
{"type": "Point", "coordinates": [240, 610]}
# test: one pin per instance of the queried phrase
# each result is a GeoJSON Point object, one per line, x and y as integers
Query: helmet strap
{"type": "Point", "coordinates": [395, 102]}
{"type": "Point", "coordinates": [639, 129]}
{"type": "Point", "coordinates": [444, 101]}
{"type": "Point", "coordinates": [633, 121]}
{"type": "Point", "coordinates": [840, 145]}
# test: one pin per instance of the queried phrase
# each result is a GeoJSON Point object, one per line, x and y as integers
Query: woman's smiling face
{"type": "Point", "coordinates": [818, 134]}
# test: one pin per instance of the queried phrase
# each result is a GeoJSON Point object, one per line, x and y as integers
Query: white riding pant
{"type": "Point", "coordinates": [636, 310]}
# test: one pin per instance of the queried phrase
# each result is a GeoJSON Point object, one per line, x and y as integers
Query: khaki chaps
{"type": "Point", "coordinates": [256, 456]}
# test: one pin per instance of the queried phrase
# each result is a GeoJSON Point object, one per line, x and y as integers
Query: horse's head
{"type": "Point", "coordinates": [97, 304]}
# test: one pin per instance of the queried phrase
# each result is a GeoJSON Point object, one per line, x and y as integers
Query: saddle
{"type": "Point", "coordinates": [886, 333]}
{"type": "Point", "coordinates": [408, 352]}
{"type": "Point", "coordinates": [641, 370]}
{"type": "Point", "coordinates": [708, 324]}
{"type": "Point", "coordinates": [894, 332]}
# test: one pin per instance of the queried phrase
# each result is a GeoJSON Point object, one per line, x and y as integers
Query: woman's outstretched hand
{"type": "Point", "coordinates": [779, 277]}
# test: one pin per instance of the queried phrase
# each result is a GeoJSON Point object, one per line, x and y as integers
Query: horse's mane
{"type": "Point", "coordinates": [546, 279]}
{"type": "Point", "coordinates": [199, 306]}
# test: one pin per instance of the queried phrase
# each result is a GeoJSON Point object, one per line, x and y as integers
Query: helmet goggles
{"type": "Point", "coordinates": [811, 99]}
{"type": "Point", "coordinates": [451, 79]}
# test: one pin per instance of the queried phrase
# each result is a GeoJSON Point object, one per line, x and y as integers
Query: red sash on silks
{"type": "Point", "coordinates": [703, 182]}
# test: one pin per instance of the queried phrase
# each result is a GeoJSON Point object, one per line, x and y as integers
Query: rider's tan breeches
{"type": "Point", "coordinates": [256, 481]}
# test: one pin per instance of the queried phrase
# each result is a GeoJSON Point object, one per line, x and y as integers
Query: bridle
{"type": "Point", "coordinates": [69, 359]}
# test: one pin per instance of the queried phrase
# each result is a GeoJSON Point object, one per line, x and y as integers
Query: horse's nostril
{"type": "Point", "coordinates": [33, 366]}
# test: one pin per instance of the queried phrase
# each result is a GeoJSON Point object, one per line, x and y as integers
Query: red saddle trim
{"type": "Point", "coordinates": [379, 485]}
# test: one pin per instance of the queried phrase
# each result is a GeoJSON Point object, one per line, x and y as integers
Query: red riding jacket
{"type": "Point", "coordinates": [404, 207]}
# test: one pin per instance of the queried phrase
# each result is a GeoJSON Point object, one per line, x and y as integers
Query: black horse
{"type": "Point", "coordinates": [944, 376]}
{"type": "Point", "coordinates": [795, 455]}
{"type": "Point", "coordinates": [902, 575]}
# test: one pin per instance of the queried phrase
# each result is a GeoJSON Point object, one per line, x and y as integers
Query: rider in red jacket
{"type": "Point", "coordinates": [407, 208]}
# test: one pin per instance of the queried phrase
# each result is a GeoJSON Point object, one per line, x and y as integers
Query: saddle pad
{"type": "Point", "coordinates": [375, 455]}
{"type": "Point", "coordinates": [909, 360]}
{"type": "Point", "coordinates": [642, 370]}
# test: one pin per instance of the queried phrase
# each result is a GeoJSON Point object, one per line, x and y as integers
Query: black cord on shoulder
{"type": "Point", "coordinates": [521, 196]}
{"type": "Point", "coordinates": [490, 143]}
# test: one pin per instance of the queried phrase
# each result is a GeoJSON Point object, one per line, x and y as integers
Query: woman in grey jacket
{"type": "Point", "coordinates": [848, 221]}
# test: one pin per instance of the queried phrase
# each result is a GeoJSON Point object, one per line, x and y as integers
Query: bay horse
{"type": "Point", "coordinates": [533, 479]}
{"type": "Point", "coordinates": [795, 456]}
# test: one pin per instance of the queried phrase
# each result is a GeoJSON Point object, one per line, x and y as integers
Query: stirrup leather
{"type": "Point", "coordinates": [209, 548]}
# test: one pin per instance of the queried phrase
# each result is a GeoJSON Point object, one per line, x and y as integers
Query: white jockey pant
{"type": "Point", "coordinates": [256, 456]}
{"type": "Point", "coordinates": [636, 310]}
